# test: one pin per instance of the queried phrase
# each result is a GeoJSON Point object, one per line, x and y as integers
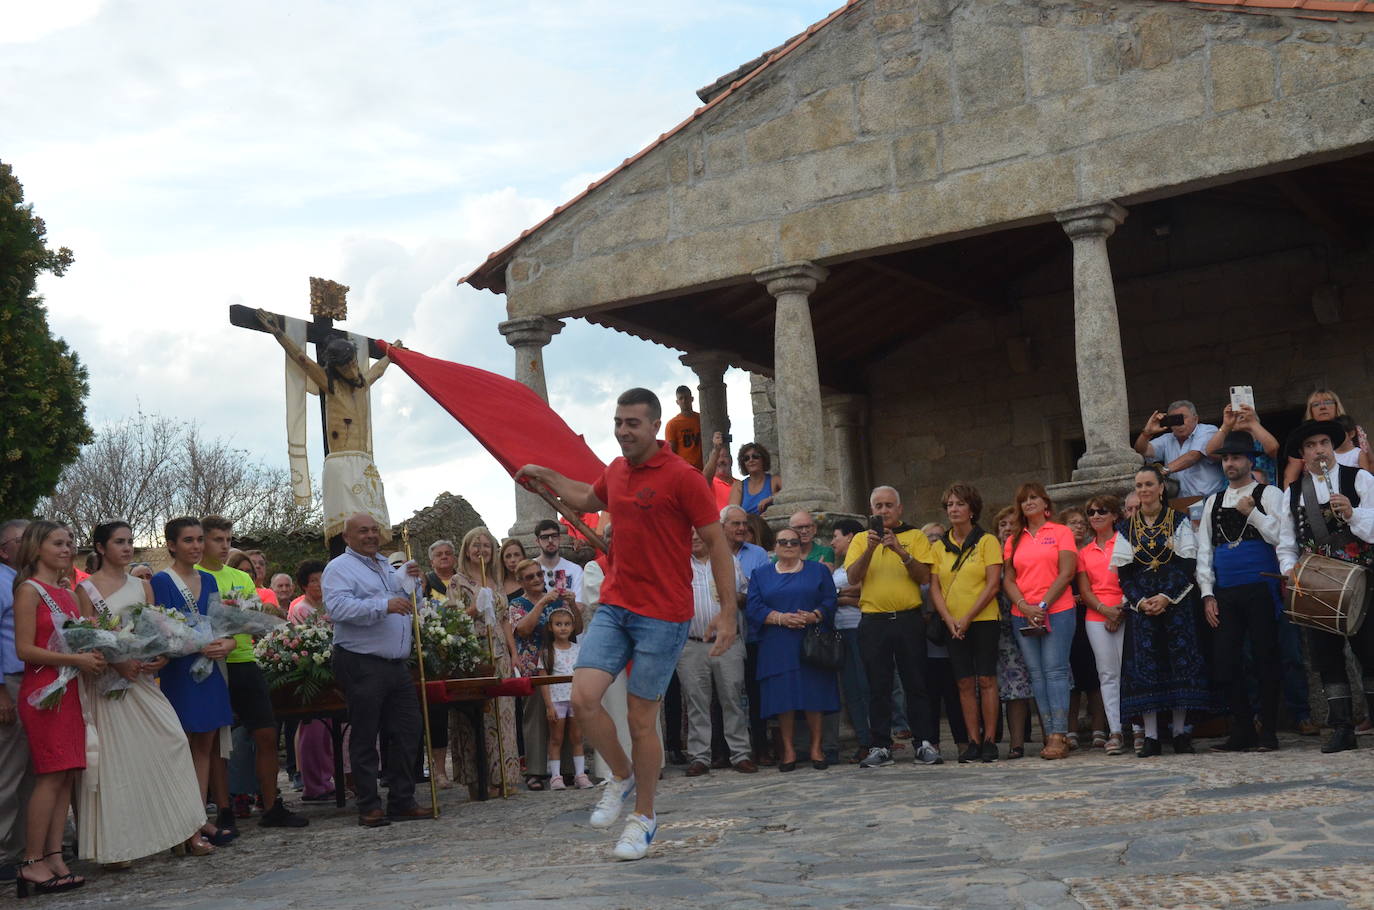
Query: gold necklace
{"type": "Point", "coordinates": [1153, 540]}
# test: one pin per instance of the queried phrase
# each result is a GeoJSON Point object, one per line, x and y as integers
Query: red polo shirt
{"type": "Point", "coordinates": [654, 507]}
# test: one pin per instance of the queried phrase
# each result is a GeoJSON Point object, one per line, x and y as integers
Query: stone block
{"type": "Point", "coordinates": [679, 165]}
{"type": "Point", "coordinates": [646, 175]}
{"type": "Point", "coordinates": [1055, 61]}
{"type": "Point", "coordinates": [637, 220]}
{"type": "Point", "coordinates": [989, 66]}
{"type": "Point", "coordinates": [1242, 75]}
{"type": "Point", "coordinates": [894, 22]}
{"type": "Point", "coordinates": [843, 52]}
{"type": "Point", "coordinates": [757, 101]}
{"type": "Point", "coordinates": [1155, 40]}
{"type": "Point", "coordinates": [1304, 67]}
{"type": "Point", "coordinates": [1104, 57]}
{"type": "Point", "coordinates": [821, 122]}
{"type": "Point", "coordinates": [921, 99]}
{"type": "Point", "coordinates": [916, 157]}
{"type": "Point", "coordinates": [723, 154]}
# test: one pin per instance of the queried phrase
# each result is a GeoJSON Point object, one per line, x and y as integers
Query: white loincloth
{"type": "Point", "coordinates": [352, 484]}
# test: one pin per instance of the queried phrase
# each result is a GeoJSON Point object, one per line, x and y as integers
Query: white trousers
{"type": "Point", "coordinates": [1107, 649]}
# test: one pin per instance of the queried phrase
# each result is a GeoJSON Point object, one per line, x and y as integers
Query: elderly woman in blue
{"type": "Point", "coordinates": [785, 598]}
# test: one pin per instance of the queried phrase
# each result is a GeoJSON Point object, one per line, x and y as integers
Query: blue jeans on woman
{"type": "Point", "coordinates": [1047, 656]}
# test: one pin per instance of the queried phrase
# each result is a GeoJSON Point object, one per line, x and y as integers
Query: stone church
{"type": "Point", "coordinates": [984, 239]}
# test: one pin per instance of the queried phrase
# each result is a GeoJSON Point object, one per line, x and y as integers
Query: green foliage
{"type": "Point", "coordinates": [43, 386]}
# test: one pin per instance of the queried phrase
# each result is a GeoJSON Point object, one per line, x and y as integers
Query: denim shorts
{"type": "Point", "coordinates": [617, 636]}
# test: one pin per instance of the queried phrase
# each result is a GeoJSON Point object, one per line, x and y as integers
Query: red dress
{"type": "Point", "coordinates": [57, 737]}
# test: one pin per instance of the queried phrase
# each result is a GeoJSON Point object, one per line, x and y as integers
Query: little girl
{"type": "Point", "coordinates": [558, 659]}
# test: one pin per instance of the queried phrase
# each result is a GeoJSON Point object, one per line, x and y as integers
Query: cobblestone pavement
{"type": "Point", "coordinates": [1291, 829]}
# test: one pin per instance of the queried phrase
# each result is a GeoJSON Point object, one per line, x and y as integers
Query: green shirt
{"type": "Point", "coordinates": [235, 581]}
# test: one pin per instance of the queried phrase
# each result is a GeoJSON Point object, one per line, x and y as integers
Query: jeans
{"type": "Point", "coordinates": [1107, 648]}
{"type": "Point", "coordinates": [617, 636]}
{"type": "Point", "coordinates": [1047, 656]}
{"type": "Point", "coordinates": [894, 642]}
{"type": "Point", "coordinates": [854, 683]}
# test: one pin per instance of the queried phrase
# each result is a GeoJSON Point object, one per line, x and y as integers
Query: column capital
{"type": "Point", "coordinates": [791, 277]}
{"type": "Point", "coordinates": [1097, 220]}
{"type": "Point", "coordinates": [530, 330]}
{"type": "Point", "coordinates": [845, 409]}
{"type": "Point", "coordinates": [710, 364]}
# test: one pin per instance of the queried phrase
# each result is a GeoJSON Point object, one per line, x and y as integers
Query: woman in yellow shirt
{"type": "Point", "coordinates": [963, 587]}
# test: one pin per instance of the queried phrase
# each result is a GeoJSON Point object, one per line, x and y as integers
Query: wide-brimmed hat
{"type": "Point", "coordinates": [1238, 442]}
{"type": "Point", "coordinates": [1310, 428]}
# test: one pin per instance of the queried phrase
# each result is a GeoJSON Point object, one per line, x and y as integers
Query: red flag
{"type": "Point", "coordinates": [515, 425]}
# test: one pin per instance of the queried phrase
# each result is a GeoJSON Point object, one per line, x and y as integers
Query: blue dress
{"type": "Point", "coordinates": [201, 706]}
{"type": "Point", "coordinates": [785, 682]}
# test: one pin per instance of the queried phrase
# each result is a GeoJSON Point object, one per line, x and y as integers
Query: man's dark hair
{"type": "Point", "coordinates": [644, 397]}
{"type": "Point", "coordinates": [683, 390]}
{"type": "Point", "coordinates": [848, 526]}
{"type": "Point", "coordinates": [217, 523]}
{"type": "Point", "coordinates": [548, 524]}
{"type": "Point", "coordinates": [306, 569]}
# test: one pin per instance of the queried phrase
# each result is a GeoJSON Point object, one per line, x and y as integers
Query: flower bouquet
{"type": "Point", "coordinates": [296, 655]}
{"type": "Point", "coordinates": [238, 614]}
{"type": "Point", "coordinates": [449, 641]}
{"type": "Point", "coordinates": [75, 636]}
{"type": "Point", "coordinates": [128, 645]}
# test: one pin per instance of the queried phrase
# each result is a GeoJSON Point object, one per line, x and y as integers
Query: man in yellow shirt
{"type": "Point", "coordinates": [890, 566]}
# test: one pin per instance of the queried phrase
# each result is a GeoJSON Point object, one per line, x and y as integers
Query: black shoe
{"type": "Point", "coordinates": [820, 764]}
{"type": "Point", "coordinates": [1342, 738]}
{"type": "Point", "coordinates": [786, 766]}
{"type": "Point", "coordinates": [1183, 744]}
{"type": "Point", "coordinates": [1235, 744]}
{"type": "Point", "coordinates": [1268, 742]}
{"type": "Point", "coordinates": [228, 828]}
{"type": "Point", "coordinates": [281, 817]}
{"type": "Point", "coordinates": [974, 753]}
{"type": "Point", "coordinates": [1150, 748]}
{"type": "Point", "coordinates": [989, 753]}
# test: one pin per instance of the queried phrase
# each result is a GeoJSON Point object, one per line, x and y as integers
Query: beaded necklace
{"type": "Point", "coordinates": [1154, 543]}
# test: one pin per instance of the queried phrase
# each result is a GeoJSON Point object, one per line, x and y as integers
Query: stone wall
{"type": "Point", "coordinates": [995, 402]}
{"type": "Point", "coordinates": [903, 121]}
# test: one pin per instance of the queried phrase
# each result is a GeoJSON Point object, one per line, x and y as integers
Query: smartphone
{"type": "Point", "coordinates": [560, 580]}
{"type": "Point", "coordinates": [727, 438]}
{"type": "Point", "coordinates": [875, 524]}
{"type": "Point", "coordinates": [1042, 629]}
{"type": "Point", "coordinates": [1171, 420]}
{"type": "Point", "coordinates": [1242, 395]}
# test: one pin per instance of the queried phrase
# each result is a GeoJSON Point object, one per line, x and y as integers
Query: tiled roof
{"type": "Point", "coordinates": [490, 274]}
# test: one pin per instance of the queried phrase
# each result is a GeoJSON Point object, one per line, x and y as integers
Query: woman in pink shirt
{"type": "Point", "coordinates": [1100, 590]}
{"type": "Point", "coordinates": [1039, 562]}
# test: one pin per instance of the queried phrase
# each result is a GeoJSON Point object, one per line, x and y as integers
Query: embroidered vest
{"type": "Point", "coordinates": [1229, 525]}
{"type": "Point", "coordinates": [1341, 544]}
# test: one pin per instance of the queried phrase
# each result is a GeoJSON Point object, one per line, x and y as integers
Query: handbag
{"type": "Point", "coordinates": [822, 648]}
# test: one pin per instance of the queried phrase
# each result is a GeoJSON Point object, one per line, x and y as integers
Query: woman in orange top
{"type": "Point", "coordinates": [1039, 562]}
{"type": "Point", "coordinates": [1100, 590]}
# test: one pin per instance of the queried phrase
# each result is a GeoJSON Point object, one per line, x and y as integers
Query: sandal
{"type": "Point", "coordinates": [1114, 744]}
{"type": "Point", "coordinates": [1016, 752]}
{"type": "Point", "coordinates": [50, 885]}
{"type": "Point", "coordinates": [1071, 741]}
{"type": "Point", "coordinates": [534, 783]}
{"type": "Point", "coordinates": [1099, 739]}
{"type": "Point", "coordinates": [71, 879]}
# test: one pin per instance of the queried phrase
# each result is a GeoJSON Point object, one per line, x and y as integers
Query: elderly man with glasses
{"type": "Point", "coordinates": [804, 523]}
{"type": "Point", "coordinates": [15, 779]}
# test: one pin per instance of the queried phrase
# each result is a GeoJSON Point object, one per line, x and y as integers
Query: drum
{"type": "Point", "coordinates": [1329, 594]}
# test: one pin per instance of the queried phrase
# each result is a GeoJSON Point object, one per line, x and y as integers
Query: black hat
{"type": "Point", "coordinates": [1238, 442]}
{"type": "Point", "coordinates": [1310, 428]}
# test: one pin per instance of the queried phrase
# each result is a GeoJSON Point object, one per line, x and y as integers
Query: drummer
{"type": "Point", "coordinates": [1240, 529]}
{"type": "Point", "coordinates": [1344, 530]}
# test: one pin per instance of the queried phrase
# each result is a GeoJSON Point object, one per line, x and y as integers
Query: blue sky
{"type": "Point", "coordinates": [195, 155]}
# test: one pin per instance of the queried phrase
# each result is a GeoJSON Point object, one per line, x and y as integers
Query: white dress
{"type": "Point", "coordinates": [139, 794]}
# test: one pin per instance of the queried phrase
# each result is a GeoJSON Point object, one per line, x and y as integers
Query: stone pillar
{"type": "Point", "coordinates": [846, 416]}
{"type": "Point", "coordinates": [797, 387]}
{"type": "Point", "coordinates": [710, 368]}
{"type": "Point", "coordinates": [1097, 343]}
{"type": "Point", "coordinates": [528, 335]}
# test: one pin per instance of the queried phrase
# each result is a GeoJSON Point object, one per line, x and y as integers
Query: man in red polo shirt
{"type": "Point", "coordinates": [655, 500]}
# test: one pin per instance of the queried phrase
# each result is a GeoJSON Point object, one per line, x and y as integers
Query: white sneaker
{"type": "Point", "coordinates": [612, 801]}
{"type": "Point", "coordinates": [635, 839]}
{"type": "Point", "coordinates": [928, 755]}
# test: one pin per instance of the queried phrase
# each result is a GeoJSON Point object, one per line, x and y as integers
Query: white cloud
{"type": "Point", "coordinates": [198, 155]}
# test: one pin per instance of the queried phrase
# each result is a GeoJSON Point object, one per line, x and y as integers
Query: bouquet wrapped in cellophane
{"type": "Point", "coordinates": [296, 655]}
{"type": "Point", "coordinates": [170, 632]}
{"type": "Point", "coordinates": [74, 636]}
{"type": "Point", "coordinates": [237, 614]}
{"type": "Point", "coordinates": [449, 642]}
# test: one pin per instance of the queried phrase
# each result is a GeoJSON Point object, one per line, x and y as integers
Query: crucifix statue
{"type": "Point", "coordinates": [341, 375]}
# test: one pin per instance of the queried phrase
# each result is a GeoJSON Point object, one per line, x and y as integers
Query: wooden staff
{"type": "Point", "coordinates": [544, 493]}
{"type": "Point", "coordinates": [424, 690]}
{"type": "Point", "coordinates": [491, 703]}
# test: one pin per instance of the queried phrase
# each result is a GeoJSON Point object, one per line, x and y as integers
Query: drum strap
{"type": "Point", "coordinates": [1321, 534]}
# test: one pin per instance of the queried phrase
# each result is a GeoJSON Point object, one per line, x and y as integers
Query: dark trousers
{"type": "Point", "coordinates": [894, 642]}
{"type": "Point", "coordinates": [672, 716]}
{"type": "Point", "coordinates": [1246, 614]}
{"type": "Point", "coordinates": [758, 727]}
{"type": "Point", "coordinates": [287, 730]}
{"type": "Point", "coordinates": [941, 687]}
{"type": "Point", "coordinates": [381, 702]}
{"type": "Point", "coordinates": [1328, 654]}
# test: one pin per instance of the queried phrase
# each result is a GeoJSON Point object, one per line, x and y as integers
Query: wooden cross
{"type": "Point", "coordinates": [327, 303]}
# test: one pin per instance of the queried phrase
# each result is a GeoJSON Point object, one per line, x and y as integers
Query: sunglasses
{"type": "Point", "coordinates": [787, 542]}
{"type": "Point", "coordinates": [1098, 512]}
{"type": "Point", "coordinates": [1326, 403]}
{"type": "Point", "coordinates": [753, 456]}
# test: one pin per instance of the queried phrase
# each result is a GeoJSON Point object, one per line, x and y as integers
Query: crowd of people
{"type": "Point", "coordinates": [1151, 611]}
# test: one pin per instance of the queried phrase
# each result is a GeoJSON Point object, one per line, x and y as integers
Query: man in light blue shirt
{"type": "Point", "coordinates": [1182, 451]}
{"type": "Point", "coordinates": [15, 779]}
{"type": "Point", "coordinates": [367, 602]}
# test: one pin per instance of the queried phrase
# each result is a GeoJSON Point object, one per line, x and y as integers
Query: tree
{"type": "Point", "coordinates": [148, 469]}
{"type": "Point", "coordinates": [43, 386]}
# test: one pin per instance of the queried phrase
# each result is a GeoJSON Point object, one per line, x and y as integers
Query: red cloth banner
{"type": "Point", "coordinates": [515, 425]}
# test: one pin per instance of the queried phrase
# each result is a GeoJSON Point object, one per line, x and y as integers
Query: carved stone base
{"type": "Point", "coordinates": [1077, 491]}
